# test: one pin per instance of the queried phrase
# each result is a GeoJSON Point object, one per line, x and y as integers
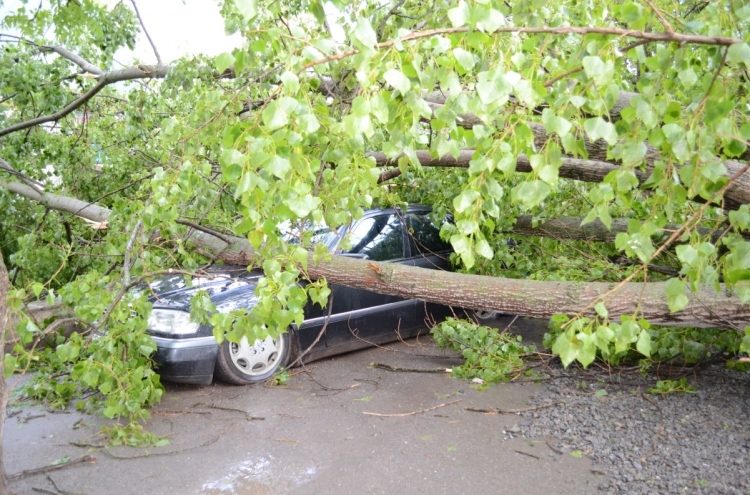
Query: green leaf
{"type": "Point", "coordinates": [601, 310]}
{"type": "Point", "coordinates": [676, 295]}
{"type": "Point", "coordinates": [464, 58]}
{"type": "Point", "coordinates": [688, 77]}
{"type": "Point", "coordinates": [598, 70]}
{"type": "Point", "coordinates": [530, 193]}
{"type": "Point", "coordinates": [9, 365]}
{"type": "Point", "coordinates": [586, 349]}
{"type": "Point", "coordinates": [398, 80]}
{"type": "Point", "coordinates": [68, 351]}
{"type": "Point", "coordinates": [482, 248]}
{"type": "Point", "coordinates": [316, 7]}
{"type": "Point", "coordinates": [290, 81]}
{"type": "Point", "coordinates": [553, 123]}
{"type": "Point", "coordinates": [745, 345]}
{"type": "Point", "coordinates": [364, 34]}
{"type": "Point", "coordinates": [279, 166]}
{"type": "Point", "coordinates": [643, 345]}
{"type": "Point", "coordinates": [37, 289]}
{"type": "Point", "coordinates": [492, 86]}
{"type": "Point", "coordinates": [458, 15]}
{"type": "Point", "coordinates": [603, 337]}
{"type": "Point", "coordinates": [274, 116]}
{"type": "Point", "coordinates": [304, 205]}
{"type": "Point", "coordinates": [739, 52]}
{"type": "Point", "coordinates": [465, 200]}
{"type": "Point", "coordinates": [248, 8]}
{"type": "Point", "coordinates": [597, 128]}
{"type": "Point", "coordinates": [223, 62]}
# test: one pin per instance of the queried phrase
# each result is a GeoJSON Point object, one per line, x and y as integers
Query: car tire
{"type": "Point", "coordinates": [482, 316]}
{"type": "Point", "coordinates": [242, 364]}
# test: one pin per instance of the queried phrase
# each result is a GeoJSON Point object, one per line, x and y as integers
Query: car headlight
{"type": "Point", "coordinates": [171, 321]}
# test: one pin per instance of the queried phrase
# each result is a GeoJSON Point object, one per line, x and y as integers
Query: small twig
{"type": "Point", "coordinates": [662, 19]}
{"type": "Point", "coordinates": [169, 412]}
{"type": "Point", "coordinates": [413, 412]}
{"type": "Point", "coordinates": [140, 20]}
{"type": "Point", "coordinates": [149, 454]}
{"type": "Point", "coordinates": [44, 490]}
{"type": "Point", "coordinates": [527, 454]}
{"type": "Point", "coordinates": [554, 449]}
{"type": "Point", "coordinates": [206, 230]}
{"type": "Point", "coordinates": [63, 492]}
{"type": "Point", "coordinates": [658, 428]}
{"type": "Point", "coordinates": [409, 370]}
{"type": "Point", "coordinates": [88, 445]}
{"type": "Point", "coordinates": [510, 411]}
{"type": "Point", "coordinates": [320, 334]}
{"type": "Point", "coordinates": [29, 418]}
{"type": "Point", "coordinates": [377, 383]}
{"type": "Point", "coordinates": [248, 415]}
{"type": "Point", "coordinates": [128, 248]}
{"type": "Point", "coordinates": [30, 472]}
{"type": "Point", "coordinates": [286, 440]}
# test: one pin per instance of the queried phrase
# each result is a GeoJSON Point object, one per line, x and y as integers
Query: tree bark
{"type": "Point", "coordinates": [4, 288]}
{"type": "Point", "coordinates": [571, 168]}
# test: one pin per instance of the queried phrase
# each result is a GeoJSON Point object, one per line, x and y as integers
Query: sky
{"type": "Point", "coordinates": [181, 27]}
{"type": "Point", "coordinates": [178, 28]}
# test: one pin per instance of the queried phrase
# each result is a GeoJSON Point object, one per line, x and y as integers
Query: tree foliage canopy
{"type": "Point", "coordinates": [608, 138]}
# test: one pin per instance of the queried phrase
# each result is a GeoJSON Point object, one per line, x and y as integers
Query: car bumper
{"type": "Point", "coordinates": [186, 360]}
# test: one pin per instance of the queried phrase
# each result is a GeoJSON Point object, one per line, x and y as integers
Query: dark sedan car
{"type": "Point", "coordinates": [187, 352]}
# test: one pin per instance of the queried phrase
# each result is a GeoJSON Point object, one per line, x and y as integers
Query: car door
{"type": "Point", "coordinates": [360, 317]}
{"type": "Point", "coordinates": [427, 250]}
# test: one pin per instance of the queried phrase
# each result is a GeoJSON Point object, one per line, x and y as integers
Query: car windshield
{"type": "Point", "coordinates": [321, 233]}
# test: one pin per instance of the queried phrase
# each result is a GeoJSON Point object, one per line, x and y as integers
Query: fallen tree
{"type": "Point", "coordinates": [616, 153]}
{"type": "Point", "coordinates": [707, 307]}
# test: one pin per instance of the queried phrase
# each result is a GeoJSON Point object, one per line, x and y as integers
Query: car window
{"type": "Point", "coordinates": [380, 238]}
{"type": "Point", "coordinates": [424, 236]}
{"type": "Point", "coordinates": [321, 233]}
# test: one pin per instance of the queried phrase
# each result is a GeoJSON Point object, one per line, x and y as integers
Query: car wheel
{"type": "Point", "coordinates": [240, 363]}
{"type": "Point", "coordinates": [483, 315]}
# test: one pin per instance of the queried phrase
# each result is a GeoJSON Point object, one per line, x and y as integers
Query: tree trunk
{"type": "Point", "coordinates": [706, 308]}
{"type": "Point", "coordinates": [4, 288]}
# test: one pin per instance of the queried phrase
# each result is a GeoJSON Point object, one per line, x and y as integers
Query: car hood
{"type": "Point", "coordinates": [173, 291]}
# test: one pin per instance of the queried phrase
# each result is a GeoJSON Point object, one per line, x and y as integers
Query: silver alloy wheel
{"type": "Point", "coordinates": [258, 359]}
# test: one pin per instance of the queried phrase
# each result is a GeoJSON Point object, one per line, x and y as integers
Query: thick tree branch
{"type": "Point", "coordinates": [737, 194]}
{"type": "Point", "coordinates": [139, 72]}
{"type": "Point", "coordinates": [571, 168]}
{"type": "Point", "coordinates": [75, 206]}
{"type": "Point", "coordinates": [75, 58]}
{"type": "Point", "coordinates": [27, 180]}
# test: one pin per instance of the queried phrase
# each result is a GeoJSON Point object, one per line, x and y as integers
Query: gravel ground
{"type": "Point", "coordinates": [650, 444]}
